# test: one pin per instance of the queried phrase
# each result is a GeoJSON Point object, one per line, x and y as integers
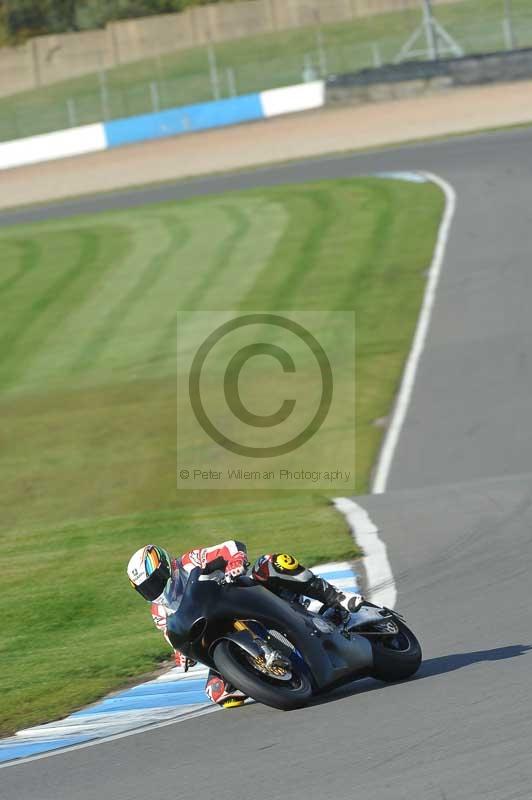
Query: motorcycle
{"type": "Point", "coordinates": [276, 650]}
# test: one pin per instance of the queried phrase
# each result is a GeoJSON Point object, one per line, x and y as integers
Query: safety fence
{"type": "Point", "coordinates": [226, 70]}
{"type": "Point", "coordinates": [171, 122]}
{"type": "Point", "coordinates": [96, 42]}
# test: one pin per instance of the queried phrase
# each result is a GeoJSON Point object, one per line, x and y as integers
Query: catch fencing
{"type": "Point", "coordinates": [49, 59]}
{"type": "Point", "coordinates": [219, 71]}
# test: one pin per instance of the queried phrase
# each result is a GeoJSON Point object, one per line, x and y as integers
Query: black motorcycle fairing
{"type": "Point", "coordinates": [329, 656]}
{"type": "Point", "coordinates": [243, 639]}
{"type": "Point", "coordinates": [196, 607]}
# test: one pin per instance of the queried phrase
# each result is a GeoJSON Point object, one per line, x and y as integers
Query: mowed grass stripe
{"type": "Point", "coordinates": [48, 350]}
{"type": "Point", "coordinates": [269, 282]}
{"type": "Point", "coordinates": [372, 246]}
{"type": "Point", "coordinates": [222, 282]}
{"type": "Point", "coordinates": [325, 242]}
{"type": "Point", "coordinates": [140, 334]}
{"type": "Point", "coordinates": [250, 256]}
{"type": "Point", "coordinates": [124, 253]}
{"type": "Point", "coordinates": [308, 259]}
{"type": "Point", "coordinates": [211, 275]}
{"type": "Point", "coordinates": [89, 447]}
{"type": "Point", "coordinates": [25, 262]}
{"type": "Point", "coordinates": [52, 294]}
{"type": "Point", "coordinates": [137, 293]}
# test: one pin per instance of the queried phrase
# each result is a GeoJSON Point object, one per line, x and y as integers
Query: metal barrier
{"type": "Point", "coordinates": [185, 119]}
{"type": "Point", "coordinates": [215, 72]}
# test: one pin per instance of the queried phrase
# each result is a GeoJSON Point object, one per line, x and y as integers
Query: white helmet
{"type": "Point", "coordinates": [149, 570]}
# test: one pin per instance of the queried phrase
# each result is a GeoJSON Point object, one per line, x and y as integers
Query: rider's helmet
{"type": "Point", "coordinates": [149, 570]}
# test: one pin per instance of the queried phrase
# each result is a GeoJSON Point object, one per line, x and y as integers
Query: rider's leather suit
{"type": "Point", "coordinates": [281, 573]}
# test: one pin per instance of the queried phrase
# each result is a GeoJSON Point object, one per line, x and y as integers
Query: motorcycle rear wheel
{"type": "Point", "coordinates": [396, 658]}
{"type": "Point", "coordinates": [231, 662]}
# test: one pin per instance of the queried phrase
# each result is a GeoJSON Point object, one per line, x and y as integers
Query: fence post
{"type": "Point", "coordinates": [508, 28]}
{"type": "Point", "coordinates": [104, 94]}
{"type": "Point", "coordinates": [16, 125]}
{"type": "Point", "coordinates": [376, 52]}
{"type": "Point", "coordinates": [36, 68]}
{"type": "Point", "coordinates": [71, 110]}
{"type": "Point", "coordinates": [213, 72]}
{"type": "Point", "coordinates": [309, 73]}
{"type": "Point", "coordinates": [231, 81]}
{"type": "Point", "coordinates": [154, 94]}
{"type": "Point", "coordinates": [114, 43]}
{"type": "Point", "coordinates": [322, 55]}
{"type": "Point", "coordinates": [428, 24]}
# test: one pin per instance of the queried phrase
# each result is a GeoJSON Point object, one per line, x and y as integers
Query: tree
{"type": "Point", "coordinates": [24, 18]}
{"type": "Point", "coordinates": [63, 14]}
{"type": "Point", "coordinates": [31, 17]}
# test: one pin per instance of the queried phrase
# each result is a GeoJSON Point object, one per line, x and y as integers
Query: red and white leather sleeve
{"type": "Point", "coordinates": [203, 556]}
{"type": "Point", "coordinates": [191, 559]}
{"type": "Point", "coordinates": [159, 614]}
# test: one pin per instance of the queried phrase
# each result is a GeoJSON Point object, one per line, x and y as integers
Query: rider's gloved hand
{"type": "Point", "coordinates": [236, 565]}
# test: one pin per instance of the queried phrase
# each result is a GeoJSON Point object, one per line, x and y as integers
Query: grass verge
{"type": "Point", "coordinates": [87, 422]}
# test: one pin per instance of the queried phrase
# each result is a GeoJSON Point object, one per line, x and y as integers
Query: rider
{"type": "Point", "coordinates": [151, 567]}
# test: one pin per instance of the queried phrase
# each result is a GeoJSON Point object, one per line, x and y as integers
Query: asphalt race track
{"type": "Point", "coordinates": [458, 523]}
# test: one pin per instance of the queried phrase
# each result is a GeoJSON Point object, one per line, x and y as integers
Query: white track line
{"type": "Point", "coordinates": [380, 582]}
{"type": "Point", "coordinates": [381, 585]}
{"type": "Point", "coordinates": [418, 345]}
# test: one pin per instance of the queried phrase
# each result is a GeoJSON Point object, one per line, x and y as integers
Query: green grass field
{"type": "Point", "coordinates": [88, 399]}
{"type": "Point", "coordinates": [258, 63]}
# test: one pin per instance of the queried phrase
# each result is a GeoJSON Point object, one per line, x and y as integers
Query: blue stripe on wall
{"type": "Point", "coordinates": [183, 120]}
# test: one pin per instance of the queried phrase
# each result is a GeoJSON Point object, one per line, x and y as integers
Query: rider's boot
{"type": "Point", "coordinates": [355, 611]}
{"type": "Point", "coordinates": [222, 693]}
{"type": "Point", "coordinates": [329, 595]}
{"type": "Point", "coordinates": [284, 571]}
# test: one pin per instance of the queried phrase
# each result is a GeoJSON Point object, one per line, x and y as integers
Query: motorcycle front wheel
{"type": "Point", "coordinates": [396, 658]}
{"type": "Point", "coordinates": [236, 666]}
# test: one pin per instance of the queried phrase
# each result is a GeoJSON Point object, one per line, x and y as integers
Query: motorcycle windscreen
{"type": "Point", "coordinates": [173, 594]}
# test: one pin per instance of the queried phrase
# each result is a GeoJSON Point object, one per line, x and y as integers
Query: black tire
{"type": "Point", "coordinates": [231, 663]}
{"type": "Point", "coordinates": [396, 658]}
